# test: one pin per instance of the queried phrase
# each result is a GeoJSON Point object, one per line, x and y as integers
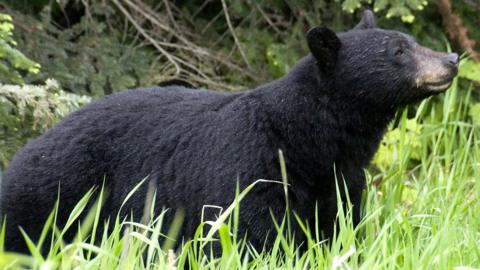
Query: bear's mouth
{"type": "Point", "coordinates": [438, 86]}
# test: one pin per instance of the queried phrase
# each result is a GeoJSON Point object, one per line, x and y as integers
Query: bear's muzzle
{"type": "Point", "coordinates": [435, 70]}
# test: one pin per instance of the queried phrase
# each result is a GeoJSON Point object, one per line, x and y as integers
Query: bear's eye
{"type": "Point", "coordinates": [399, 52]}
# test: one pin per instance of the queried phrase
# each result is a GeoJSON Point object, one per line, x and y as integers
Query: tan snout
{"type": "Point", "coordinates": [435, 70]}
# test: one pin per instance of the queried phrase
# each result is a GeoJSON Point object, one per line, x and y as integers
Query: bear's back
{"type": "Point", "coordinates": [107, 133]}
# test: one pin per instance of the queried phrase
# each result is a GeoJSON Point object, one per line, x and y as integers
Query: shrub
{"type": "Point", "coordinates": [12, 60]}
{"type": "Point", "coordinates": [27, 111]}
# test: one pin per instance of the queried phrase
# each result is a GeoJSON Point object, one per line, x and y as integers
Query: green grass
{"type": "Point", "coordinates": [420, 212]}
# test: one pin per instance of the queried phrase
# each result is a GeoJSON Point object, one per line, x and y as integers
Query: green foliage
{"type": "Point", "coordinates": [470, 70]}
{"type": "Point", "coordinates": [264, 53]}
{"type": "Point", "coordinates": [86, 58]}
{"type": "Point", "coordinates": [280, 59]}
{"type": "Point", "coordinates": [29, 110]}
{"type": "Point", "coordinates": [396, 141]}
{"type": "Point", "coordinates": [11, 60]}
{"type": "Point", "coordinates": [93, 55]}
{"type": "Point", "coordinates": [475, 114]}
{"type": "Point", "coordinates": [394, 8]}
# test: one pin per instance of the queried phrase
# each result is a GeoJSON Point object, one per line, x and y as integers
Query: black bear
{"type": "Point", "coordinates": [327, 115]}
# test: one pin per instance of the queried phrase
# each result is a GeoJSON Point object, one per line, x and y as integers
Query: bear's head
{"type": "Point", "coordinates": [378, 66]}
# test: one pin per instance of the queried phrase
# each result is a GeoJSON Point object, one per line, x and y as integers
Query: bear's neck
{"type": "Point", "coordinates": [314, 123]}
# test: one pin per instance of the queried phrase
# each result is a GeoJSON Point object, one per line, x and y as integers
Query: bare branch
{"type": "Point", "coordinates": [232, 31]}
{"type": "Point", "coordinates": [148, 37]}
{"type": "Point", "coordinates": [267, 19]}
{"type": "Point", "coordinates": [163, 28]}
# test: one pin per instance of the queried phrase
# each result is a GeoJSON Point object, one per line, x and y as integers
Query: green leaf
{"type": "Point", "coordinates": [28, 110]}
{"type": "Point", "coordinates": [380, 5]}
{"type": "Point", "coordinates": [32, 247]}
{"type": "Point", "coordinates": [474, 113]}
{"type": "Point", "coordinates": [351, 5]}
{"type": "Point", "coordinates": [12, 58]}
{"type": "Point", "coordinates": [470, 70]}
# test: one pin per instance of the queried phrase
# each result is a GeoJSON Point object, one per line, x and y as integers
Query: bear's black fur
{"type": "Point", "coordinates": [330, 111]}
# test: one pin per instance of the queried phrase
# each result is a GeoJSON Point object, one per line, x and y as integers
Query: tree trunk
{"type": "Point", "coordinates": [455, 28]}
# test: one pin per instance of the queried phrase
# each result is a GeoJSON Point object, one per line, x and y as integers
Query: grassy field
{"type": "Point", "coordinates": [420, 212]}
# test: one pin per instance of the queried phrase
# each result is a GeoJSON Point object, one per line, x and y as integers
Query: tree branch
{"type": "Point", "coordinates": [232, 31]}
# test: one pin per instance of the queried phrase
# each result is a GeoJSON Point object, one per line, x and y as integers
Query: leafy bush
{"type": "Point", "coordinates": [85, 58]}
{"type": "Point", "coordinates": [10, 58]}
{"type": "Point", "coordinates": [29, 110]}
{"type": "Point", "coordinates": [395, 8]}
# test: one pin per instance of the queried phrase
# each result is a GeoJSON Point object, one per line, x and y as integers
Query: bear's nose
{"type": "Point", "coordinates": [452, 59]}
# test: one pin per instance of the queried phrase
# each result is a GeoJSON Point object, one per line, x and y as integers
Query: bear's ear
{"type": "Point", "coordinates": [367, 22]}
{"type": "Point", "coordinates": [324, 45]}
